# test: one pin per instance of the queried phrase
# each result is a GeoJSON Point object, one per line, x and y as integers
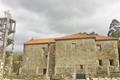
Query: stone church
{"type": "Point", "coordinates": [71, 54]}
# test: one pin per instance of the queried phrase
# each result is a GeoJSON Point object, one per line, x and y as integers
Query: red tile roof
{"type": "Point", "coordinates": [99, 38]}
{"type": "Point", "coordinates": [84, 36]}
{"type": "Point", "coordinates": [40, 41]}
{"type": "Point", "coordinates": [68, 37]}
{"type": "Point", "coordinates": [75, 36]}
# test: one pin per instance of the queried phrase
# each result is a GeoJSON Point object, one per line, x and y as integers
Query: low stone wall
{"type": "Point", "coordinates": [105, 79]}
{"type": "Point", "coordinates": [71, 79]}
{"type": "Point", "coordinates": [26, 79]}
{"type": "Point", "coordinates": [13, 79]}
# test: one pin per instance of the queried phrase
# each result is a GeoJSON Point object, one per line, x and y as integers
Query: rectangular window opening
{"type": "Point", "coordinates": [46, 56]}
{"type": "Point", "coordinates": [81, 66]}
{"type": "Point", "coordinates": [111, 62]}
{"type": "Point", "coordinates": [99, 47]}
{"type": "Point", "coordinates": [100, 63]}
{"type": "Point", "coordinates": [73, 45]}
{"type": "Point", "coordinates": [80, 76]}
{"type": "Point", "coordinates": [44, 71]}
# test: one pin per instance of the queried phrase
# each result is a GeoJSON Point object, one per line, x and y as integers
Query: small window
{"type": "Point", "coordinates": [43, 48]}
{"type": "Point", "coordinates": [44, 71]}
{"type": "Point", "coordinates": [46, 56]}
{"type": "Point", "coordinates": [80, 76]}
{"type": "Point", "coordinates": [99, 47]}
{"type": "Point", "coordinates": [100, 63]}
{"type": "Point", "coordinates": [73, 45]}
{"type": "Point", "coordinates": [111, 62]}
{"type": "Point", "coordinates": [81, 66]}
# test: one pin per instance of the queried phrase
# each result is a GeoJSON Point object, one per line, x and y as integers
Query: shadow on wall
{"type": "Point", "coordinates": [119, 49]}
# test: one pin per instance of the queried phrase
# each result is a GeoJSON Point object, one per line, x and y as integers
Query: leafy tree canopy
{"type": "Point", "coordinates": [91, 33]}
{"type": "Point", "coordinates": [114, 29]}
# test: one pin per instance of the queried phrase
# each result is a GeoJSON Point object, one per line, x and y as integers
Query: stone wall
{"type": "Point", "coordinates": [63, 57]}
{"type": "Point", "coordinates": [84, 55]}
{"type": "Point", "coordinates": [75, 55]}
{"type": "Point", "coordinates": [107, 52]}
{"type": "Point", "coordinates": [35, 59]}
{"type": "Point", "coordinates": [39, 59]}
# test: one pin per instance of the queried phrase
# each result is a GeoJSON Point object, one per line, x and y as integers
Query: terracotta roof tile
{"type": "Point", "coordinates": [98, 38]}
{"type": "Point", "coordinates": [83, 36]}
{"type": "Point", "coordinates": [75, 36]}
{"type": "Point", "coordinates": [68, 37]}
{"type": "Point", "coordinates": [40, 41]}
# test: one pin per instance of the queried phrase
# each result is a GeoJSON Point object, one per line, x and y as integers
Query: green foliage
{"type": "Point", "coordinates": [91, 33]}
{"type": "Point", "coordinates": [17, 59]}
{"type": "Point", "coordinates": [114, 29]}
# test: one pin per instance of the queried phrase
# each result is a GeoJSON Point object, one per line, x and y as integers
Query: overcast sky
{"type": "Point", "coordinates": [53, 18]}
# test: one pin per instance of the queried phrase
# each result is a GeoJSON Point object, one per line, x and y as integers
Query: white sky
{"type": "Point", "coordinates": [53, 18]}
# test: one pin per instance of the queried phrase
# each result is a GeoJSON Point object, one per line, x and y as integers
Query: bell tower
{"type": "Point", "coordinates": [7, 32]}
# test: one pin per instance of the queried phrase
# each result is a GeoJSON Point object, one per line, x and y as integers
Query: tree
{"type": "Point", "coordinates": [17, 59]}
{"type": "Point", "coordinates": [91, 33]}
{"type": "Point", "coordinates": [114, 29]}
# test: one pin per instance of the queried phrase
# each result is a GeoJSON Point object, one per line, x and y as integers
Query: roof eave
{"type": "Point", "coordinates": [107, 40]}
{"type": "Point", "coordinates": [60, 39]}
{"type": "Point", "coordinates": [37, 43]}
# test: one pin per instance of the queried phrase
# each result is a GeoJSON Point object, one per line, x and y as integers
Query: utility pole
{"type": "Point", "coordinates": [7, 31]}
